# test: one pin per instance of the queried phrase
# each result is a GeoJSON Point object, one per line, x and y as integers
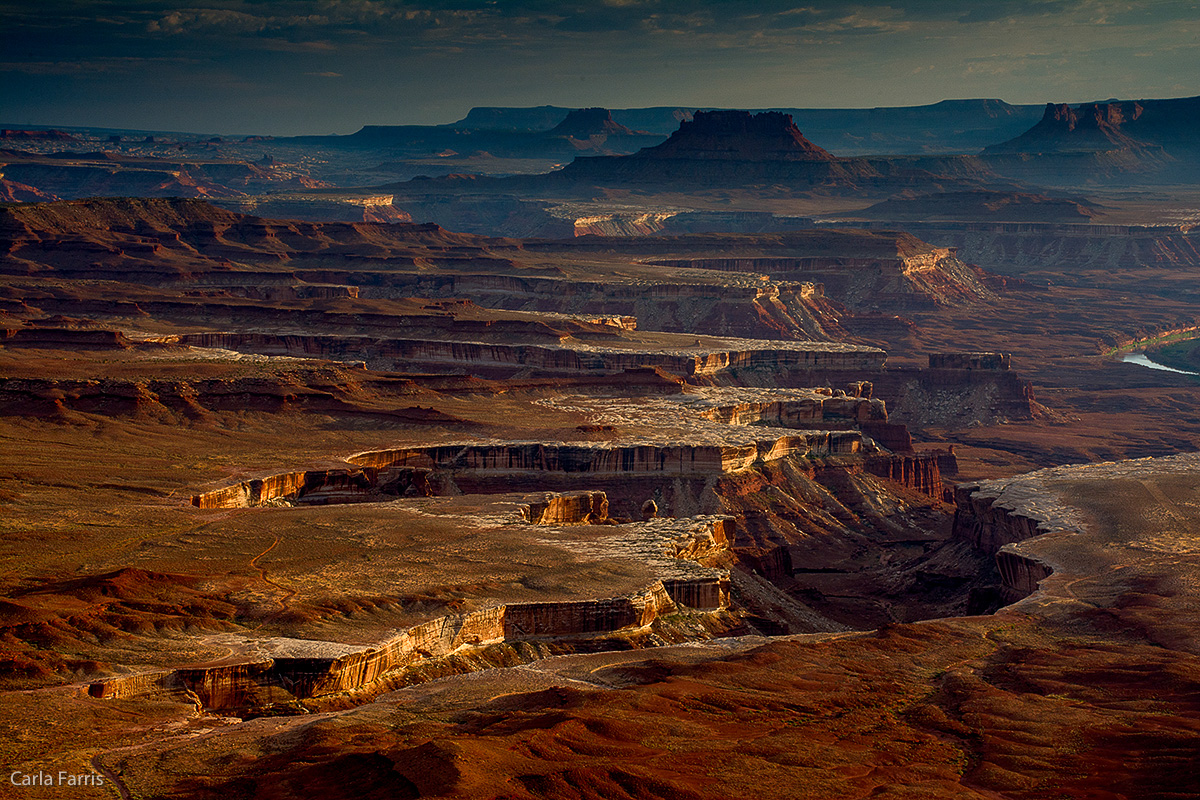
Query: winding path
{"type": "Point", "coordinates": [288, 594]}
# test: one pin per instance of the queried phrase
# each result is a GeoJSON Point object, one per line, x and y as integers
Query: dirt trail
{"type": "Point", "coordinates": [288, 594]}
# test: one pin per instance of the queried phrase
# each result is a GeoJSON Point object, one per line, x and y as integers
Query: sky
{"type": "Point", "coordinates": [284, 67]}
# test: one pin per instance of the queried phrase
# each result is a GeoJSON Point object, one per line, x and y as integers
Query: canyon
{"type": "Point", "coordinates": [746, 449]}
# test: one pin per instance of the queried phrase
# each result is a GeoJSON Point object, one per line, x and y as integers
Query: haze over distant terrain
{"type": "Point", "coordinates": [287, 67]}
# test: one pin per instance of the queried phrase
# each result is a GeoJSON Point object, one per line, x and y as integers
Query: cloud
{"type": "Point", "coordinates": [214, 20]}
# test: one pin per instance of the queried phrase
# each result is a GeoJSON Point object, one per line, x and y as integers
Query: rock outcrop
{"type": "Point", "coordinates": [326, 207]}
{"type": "Point", "coordinates": [49, 135]}
{"type": "Point", "coordinates": [64, 338]}
{"type": "Point", "coordinates": [957, 388]}
{"type": "Point", "coordinates": [919, 471]}
{"type": "Point", "coordinates": [103, 174]}
{"type": "Point", "coordinates": [817, 411]}
{"type": "Point", "coordinates": [571, 508]}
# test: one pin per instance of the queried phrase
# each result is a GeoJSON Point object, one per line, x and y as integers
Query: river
{"type": "Point", "coordinates": [1140, 358]}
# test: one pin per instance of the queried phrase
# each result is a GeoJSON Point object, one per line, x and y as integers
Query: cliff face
{"type": "Point", "coordinates": [320, 208]}
{"type": "Point", "coordinates": [817, 411]}
{"type": "Point", "coordinates": [586, 508]}
{"type": "Point", "coordinates": [994, 517]}
{"type": "Point", "coordinates": [301, 670]}
{"type": "Point", "coordinates": [992, 361]}
{"type": "Point", "coordinates": [988, 525]}
{"type": "Point", "coordinates": [394, 471]}
{"type": "Point", "coordinates": [777, 310]}
{"type": "Point", "coordinates": [921, 471]}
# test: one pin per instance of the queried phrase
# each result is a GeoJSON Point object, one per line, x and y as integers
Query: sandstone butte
{"type": "Point", "coordinates": [385, 510]}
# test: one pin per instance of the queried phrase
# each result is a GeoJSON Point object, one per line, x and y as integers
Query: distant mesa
{"type": "Point", "coordinates": [1096, 126]}
{"type": "Point", "coordinates": [1172, 124]}
{"type": "Point", "coordinates": [582, 123]}
{"type": "Point", "coordinates": [70, 174]}
{"type": "Point", "coordinates": [538, 118]}
{"type": "Point", "coordinates": [983, 205]}
{"type": "Point", "coordinates": [950, 126]}
{"type": "Point", "coordinates": [724, 148]}
{"type": "Point", "coordinates": [50, 135]}
{"type": "Point", "coordinates": [740, 136]}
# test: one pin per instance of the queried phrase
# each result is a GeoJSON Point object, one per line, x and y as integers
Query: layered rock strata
{"type": "Point", "coordinates": [296, 669]}
{"type": "Point", "coordinates": [742, 354]}
{"type": "Point", "coordinates": [740, 415]}
{"type": "Point", "coordinates": [906, 281]}
{"type": "Point", "coordinates": [392, 472]}
{"type": "Point", "coordinates": [1008, 245]}
{"type": "Point", "coordinates": [797, 408]}
{"type": "Point", "coordinates": [601, 458]}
